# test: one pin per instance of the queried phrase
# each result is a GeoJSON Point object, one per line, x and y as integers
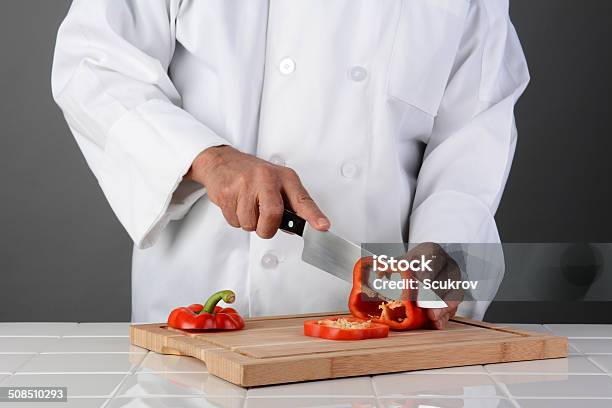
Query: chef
{"type": "Point", "coordinates": [384, 121]}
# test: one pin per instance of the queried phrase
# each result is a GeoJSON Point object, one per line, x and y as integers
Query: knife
{"type": "Point", "coordinates": [337, 256]}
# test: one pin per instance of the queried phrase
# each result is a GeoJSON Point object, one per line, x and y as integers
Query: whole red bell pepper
{"type": "Point", "coordinates": [208, 316]}
{"type": "Point", "coordinates": [401, 314]}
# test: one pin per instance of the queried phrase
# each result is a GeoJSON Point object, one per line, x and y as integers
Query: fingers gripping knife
{"type": "Point", "coordinates": [337, 256]}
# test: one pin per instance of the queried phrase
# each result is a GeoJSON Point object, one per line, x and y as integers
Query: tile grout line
{"type": "Point", "coordinates": [374, 387]}
{"type": "Point", "coordinates": [529, 397]}
{"type": "Point", "coordinates": [8, 376]}
{"type": "Point", "coordinates": [585, 353]}
{"type": "Point", "coordinates": [113, 394]}
{"type": "Point", "coordinates": [147, 354]}
{"type": "Point", "coordinates": [38, 354]}
{"type": "Point", "coordinates": [31, 336]}
{"type": "Point", "coordinates": [553, 374]}
{"type": "Point", "coordinates": [565, 398]}
{"type": "Point", "coordinates": [46, 353]}
{"type": "Point", "coordinates": [606, 337]}
{"type": "Point", "coordinates": [594, 354]}
{"type": "Point", "coordinates": [123, 380]}
{"type": "Point", "coordinates": [69, 336]}
{"type": "Point", "coordinates": [447, 397]}
{"type": "Point", "coordinates": [602, 368]}
{"type": "Point", "coordinates": [484, 373]}
{"type": "Point", "coordinates": [577, 337]}
{"type": "Point", "coordinates": [16, 370]}
{"type": "Point", "coordinates": [183, 396]}
{"type": "Point", "coordinates": [18, 353]}
{"type": "Point", "coordinates": [172, 372]}
{"type": "Point", "coordinates": [22, 373]}
{"type": "Point", "coordinates": [327, 396]}
{"type": "Point", "coordinates": [504, 389]}
{"type": "Point", "coordinates": [96, 337]}
{"type": "Point", "coordinates": [570, 338]}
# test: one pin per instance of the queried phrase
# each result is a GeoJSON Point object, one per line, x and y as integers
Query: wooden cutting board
{"type": "Point", "coordinates": [273, 350]}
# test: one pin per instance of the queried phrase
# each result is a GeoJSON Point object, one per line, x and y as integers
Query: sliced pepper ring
{"type": "Point", "coordinates": [339, 328]}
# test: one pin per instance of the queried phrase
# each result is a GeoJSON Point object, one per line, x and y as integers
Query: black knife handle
{"type": "Point", "coordinates": [292, 223]}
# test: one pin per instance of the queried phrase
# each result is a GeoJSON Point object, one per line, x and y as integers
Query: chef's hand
{"type": "Point", "coordinates": [440, 317]}
{"type": "Point", "coordinates": [443, 268]}
{"type": "Point", "coordinates": [253, 193]}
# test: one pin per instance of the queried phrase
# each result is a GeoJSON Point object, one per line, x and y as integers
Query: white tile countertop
{"type": "Point", "coordinates": [101, 369]}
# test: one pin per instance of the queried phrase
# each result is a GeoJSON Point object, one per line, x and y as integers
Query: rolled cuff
{"type": "Point", "coordinates": [148, 151]}
{"type": "Point", "coordinates": [452, 217]}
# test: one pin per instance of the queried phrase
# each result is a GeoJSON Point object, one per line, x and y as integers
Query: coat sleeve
{"type": "Point", "coordinates": [469, 154]}
{"type": "Point", "coordinates": [110, 80]}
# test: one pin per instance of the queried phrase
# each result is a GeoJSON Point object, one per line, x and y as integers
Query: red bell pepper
{"type": "Point", "coordinates": [208, 316]}
{"type": "Point", "coordinates": [345, 328]}
{"type": "Point", "coordinates": [401, 314]}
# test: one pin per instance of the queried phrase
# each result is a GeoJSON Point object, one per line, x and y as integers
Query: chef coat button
{"type": "Point", "coordinates": [358, 73]}
{"type": "Point", "coordinates": [349, 170]}
{"type": "Point", "coordinates": [269, 261]}
{"type": "Point", "coordinates": [287, 66]}
{"type": "Point", "coordinates": [276, 159]}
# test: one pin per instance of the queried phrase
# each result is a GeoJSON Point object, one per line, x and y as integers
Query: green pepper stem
{"type": "Point", "coordinates": [223, 295]}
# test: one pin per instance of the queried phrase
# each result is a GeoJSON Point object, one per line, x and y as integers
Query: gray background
{"type": "Point", "coordinates": [64, 256]}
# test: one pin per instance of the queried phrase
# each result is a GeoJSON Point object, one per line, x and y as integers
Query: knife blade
{"type": "Point", "coordinates": [337, 256]}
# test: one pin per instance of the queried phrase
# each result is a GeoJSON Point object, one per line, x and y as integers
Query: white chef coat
{"type": "Point", "coordinates": [396, 114]}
